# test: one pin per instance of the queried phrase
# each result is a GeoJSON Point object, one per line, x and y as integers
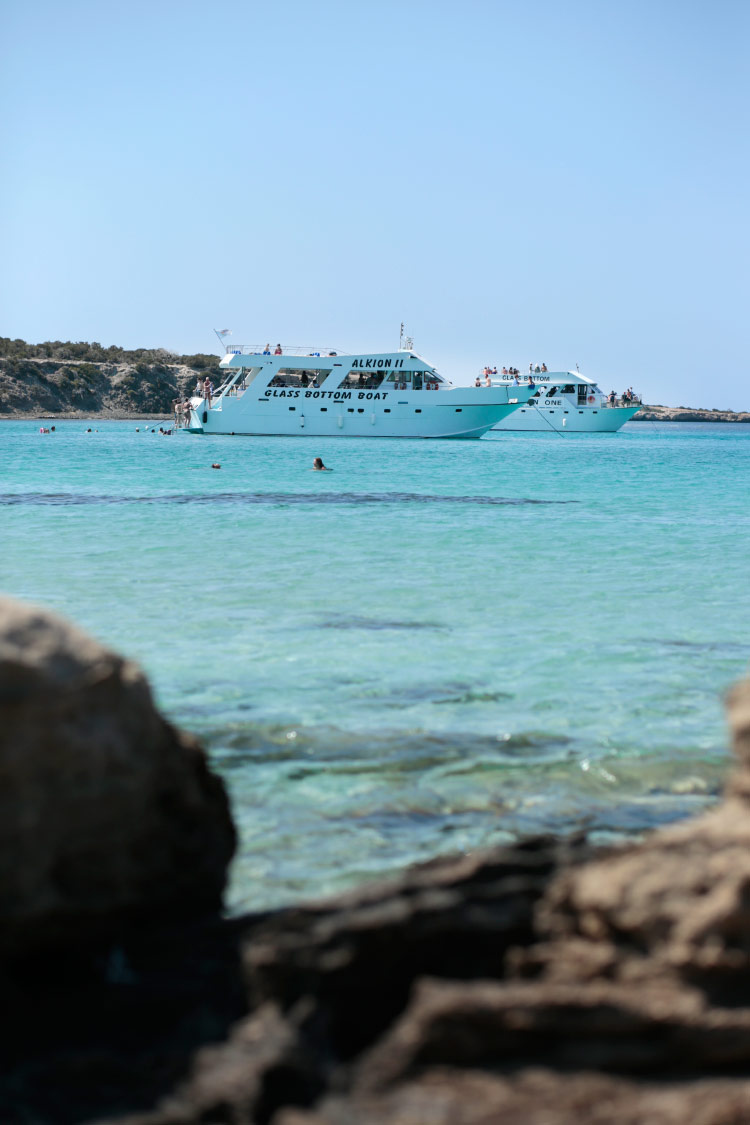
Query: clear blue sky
{"type": "Point", "coordinates": [551, 181]}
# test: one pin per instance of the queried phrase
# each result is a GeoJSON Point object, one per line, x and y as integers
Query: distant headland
{"type": "Point", "coordinates": [688, 414]}
{"type": "Point", "coordinates": [59, 379]}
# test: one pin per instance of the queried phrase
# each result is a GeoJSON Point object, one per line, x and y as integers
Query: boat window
{"type": "Point", "coordinates": [296, 377]}
{"type": "Point", "coordinates": [568, 389]}
{"type": "Point", "coordinates": [362, 380]}
{"type": "Point", "coordinates": [244, 378]}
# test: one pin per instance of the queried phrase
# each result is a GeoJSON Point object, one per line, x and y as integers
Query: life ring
{"type": "Point", "coordinates": [592, 399]}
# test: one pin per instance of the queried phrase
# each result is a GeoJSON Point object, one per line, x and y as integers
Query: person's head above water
{"type": "Point", "coordinates": [318, 463]}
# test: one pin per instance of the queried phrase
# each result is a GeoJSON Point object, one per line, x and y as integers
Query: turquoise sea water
{"type": "Point", "coordinates": [437, 646]}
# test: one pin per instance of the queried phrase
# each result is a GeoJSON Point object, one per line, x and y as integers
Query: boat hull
{"type": "Point", "coordinates": [568, 419]}
{"type": "Point", "coordinates": [460, 413]}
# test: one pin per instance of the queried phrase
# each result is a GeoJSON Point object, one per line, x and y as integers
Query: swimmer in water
{"type": "Point", "coordinates": [319, 467]}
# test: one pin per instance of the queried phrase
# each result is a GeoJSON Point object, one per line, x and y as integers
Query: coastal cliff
{"type": "Point", "coordinates": [85, 380]}
{"type": "Point", "coordinates": [547, 982]}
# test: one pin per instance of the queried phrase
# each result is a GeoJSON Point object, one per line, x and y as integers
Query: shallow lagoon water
{"type": "Point", "coordinates": [437, 646]}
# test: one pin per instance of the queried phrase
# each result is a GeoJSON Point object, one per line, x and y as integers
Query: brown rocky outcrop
{"type": "Point", "coordinates": [688, 414]}
{"type": "Point", "coordinates": [540, 984]}
{"type": "Point", "coordinates": [108, 815]}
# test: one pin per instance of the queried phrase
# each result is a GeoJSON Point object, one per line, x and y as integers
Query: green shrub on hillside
{"type": "Point", "coordinates": [96, 353]}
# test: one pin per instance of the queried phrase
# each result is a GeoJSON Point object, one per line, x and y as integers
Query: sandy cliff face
{"type": "Point", "coordinates": [60, 387]}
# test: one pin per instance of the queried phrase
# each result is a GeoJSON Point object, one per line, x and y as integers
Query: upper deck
{"type": "Point", "coordinates": [544, 379]}
{"type": "Point", "coordinates": [340, 372]}
{"type": "Point", "coordinates": [320, 359]}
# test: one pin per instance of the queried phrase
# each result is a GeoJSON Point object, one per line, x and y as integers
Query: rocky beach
{"type": "Point", "coordinates": [688, 414]}
{"type": "Point", "coordinates": [546, 982]}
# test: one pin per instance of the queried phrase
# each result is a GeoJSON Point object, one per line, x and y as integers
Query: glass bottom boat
{"type": "Point", "coordinates": [325, 394]}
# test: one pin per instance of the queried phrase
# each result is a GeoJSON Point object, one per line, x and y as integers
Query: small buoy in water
{"type": "Point", "coordinates": [216, 465]}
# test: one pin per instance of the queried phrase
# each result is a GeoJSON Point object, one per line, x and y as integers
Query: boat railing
{"type": "Point", "coordinates": [311, 351]}
{"type": "Point", "coordinates": [598, 400]}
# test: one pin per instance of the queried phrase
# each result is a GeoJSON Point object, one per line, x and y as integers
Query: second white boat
{"type": "Point", "coordinates": [566, 401]}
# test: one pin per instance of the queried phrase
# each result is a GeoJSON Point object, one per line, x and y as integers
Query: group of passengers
{"type": "Point", "coordinates": [181, 412]}
{"type": "Point", "coordinates": [534, 368]}
{"type": "Point", "coordinates": [629, 396]}
{"type": "Point", "coordinates": [488, 372]}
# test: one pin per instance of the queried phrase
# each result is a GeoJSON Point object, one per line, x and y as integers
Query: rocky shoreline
{"type": "Point", "coordinates": [86, 416]}
{"type": "Point", "coordinates": [140, 385]}
{"type": "Point", "coordinates": [688, 414]}
{"type": "Point", "coordinates": [546, 983]}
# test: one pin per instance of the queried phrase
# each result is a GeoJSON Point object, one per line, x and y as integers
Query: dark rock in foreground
{"type": "Point", "coordinates": [542, 984]}
{"type": "Point", "coordinates": [109, 817]}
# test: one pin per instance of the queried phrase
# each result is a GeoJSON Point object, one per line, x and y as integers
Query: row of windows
{"type": "Point", "coordinates": [355, 379]}
{"type": "Point", "coordinates": [371, 380]}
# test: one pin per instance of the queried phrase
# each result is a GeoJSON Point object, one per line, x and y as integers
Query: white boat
{"type": "Point", "coordinates": [565, 401]}
{"type": "Point", "coordinates": [322, 393]}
